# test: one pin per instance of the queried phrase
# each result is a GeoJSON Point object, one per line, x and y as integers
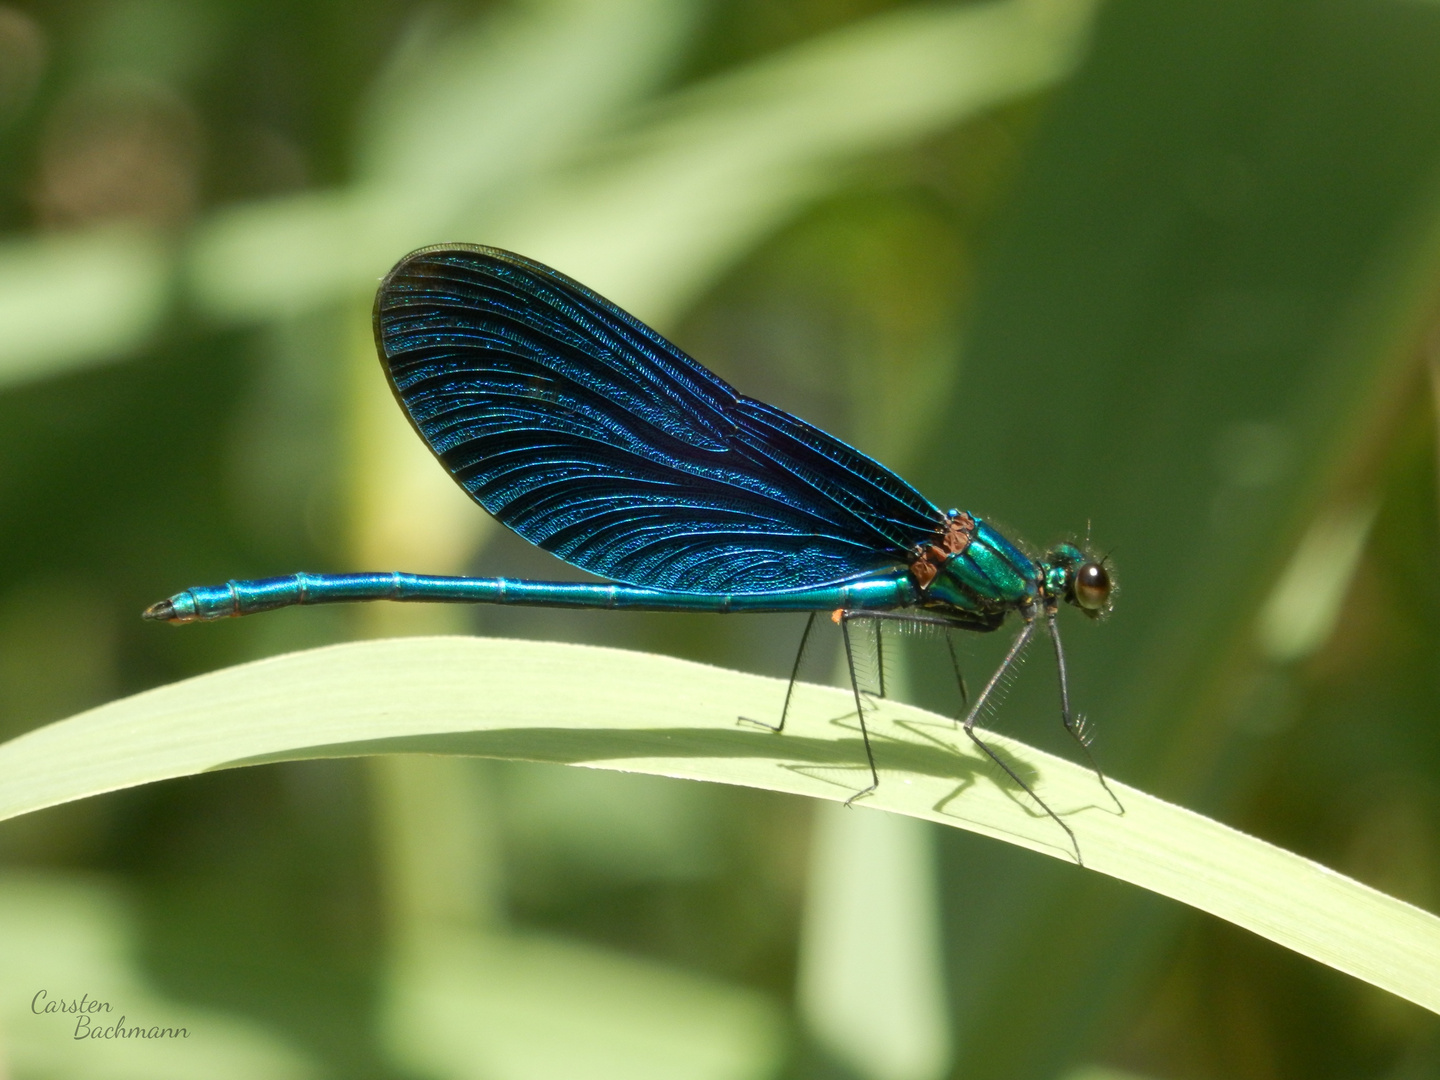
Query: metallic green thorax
{"type": "Point", "coordinates": [991, 577]}
{"type": "Point", "coordinates": [988, 578]}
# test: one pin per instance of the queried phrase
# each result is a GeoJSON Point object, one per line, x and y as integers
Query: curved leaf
{"type": "Point", "coordinates": [604, 708]}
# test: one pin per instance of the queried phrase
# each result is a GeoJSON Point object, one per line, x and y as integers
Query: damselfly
{"type": "Point", "coordinates": [593, 437]}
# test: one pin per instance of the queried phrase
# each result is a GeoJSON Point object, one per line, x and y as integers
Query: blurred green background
{"type": "Point", "coordinates": [1167, 274]}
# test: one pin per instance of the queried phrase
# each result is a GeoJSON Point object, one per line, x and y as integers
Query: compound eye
{"type": "Point", "coordinates": [1092, 587]}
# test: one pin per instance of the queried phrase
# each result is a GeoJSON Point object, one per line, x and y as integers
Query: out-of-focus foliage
{"type": "Point", "coordinates": [1167, 276]}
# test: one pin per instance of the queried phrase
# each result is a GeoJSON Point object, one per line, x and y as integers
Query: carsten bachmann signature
{"type": "Point", "coordinates": [90, 1024]}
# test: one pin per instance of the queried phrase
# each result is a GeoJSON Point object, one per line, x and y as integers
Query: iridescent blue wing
{"type": "Point", "coordinates": [593, 437]}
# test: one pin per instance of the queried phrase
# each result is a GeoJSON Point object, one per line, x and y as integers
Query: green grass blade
{"type": "Point", "coordinates": [710, 172]}
{"type": "Point", "coordinates": [697, 178]}
{"type": "Point", "coordinates": [643, 713]}
{"type": "Point", "coordinates": [75, 301]}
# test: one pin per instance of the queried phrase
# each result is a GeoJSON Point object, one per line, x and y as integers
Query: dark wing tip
{"type": "Point", "coordinates": [403, 267]}
{"type": "Point", "coordinates": [474, 253]}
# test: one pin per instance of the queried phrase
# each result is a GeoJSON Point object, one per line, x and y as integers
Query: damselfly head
{"type": "Point", "coordinates": [1079, 578]}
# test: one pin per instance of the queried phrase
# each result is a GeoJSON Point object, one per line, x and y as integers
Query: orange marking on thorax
{"type": "Point", "coordinates": [952, 537]}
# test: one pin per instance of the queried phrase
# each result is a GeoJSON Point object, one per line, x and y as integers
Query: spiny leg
{"type": "Point", "coordinates": [880, 654]}
{"type": "Point", "coordinates": [1021, 640]}
{"type": "Point", "coordinates": [799, 657]}
{"type": "Point", "coordinates": [845, 617]}
{"type": "Point", "coordinates": [879, 618]}
{"type": "Point", "coordinates": [895, 616]}
{"type": "Point", "coordinates": [955, 667]}
{"type": "Point", "coordinates": [794, 678]}
{"type": "Point", "coordinates": [1066, 717]}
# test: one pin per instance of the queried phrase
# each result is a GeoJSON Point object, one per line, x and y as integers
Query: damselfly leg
{"type": "Point", "coordinates": [1076, 727]}
{"type": "Point", "coordinates": [794, 677]}
{"type": "Point", "coordinates": [845, 620]}
{"type": "Point", "coordinates": [879, 619]}
{"type": "Point", "coordinates": [955, 667]}
{"type": "Point", "coordinates": [1016, 649]}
